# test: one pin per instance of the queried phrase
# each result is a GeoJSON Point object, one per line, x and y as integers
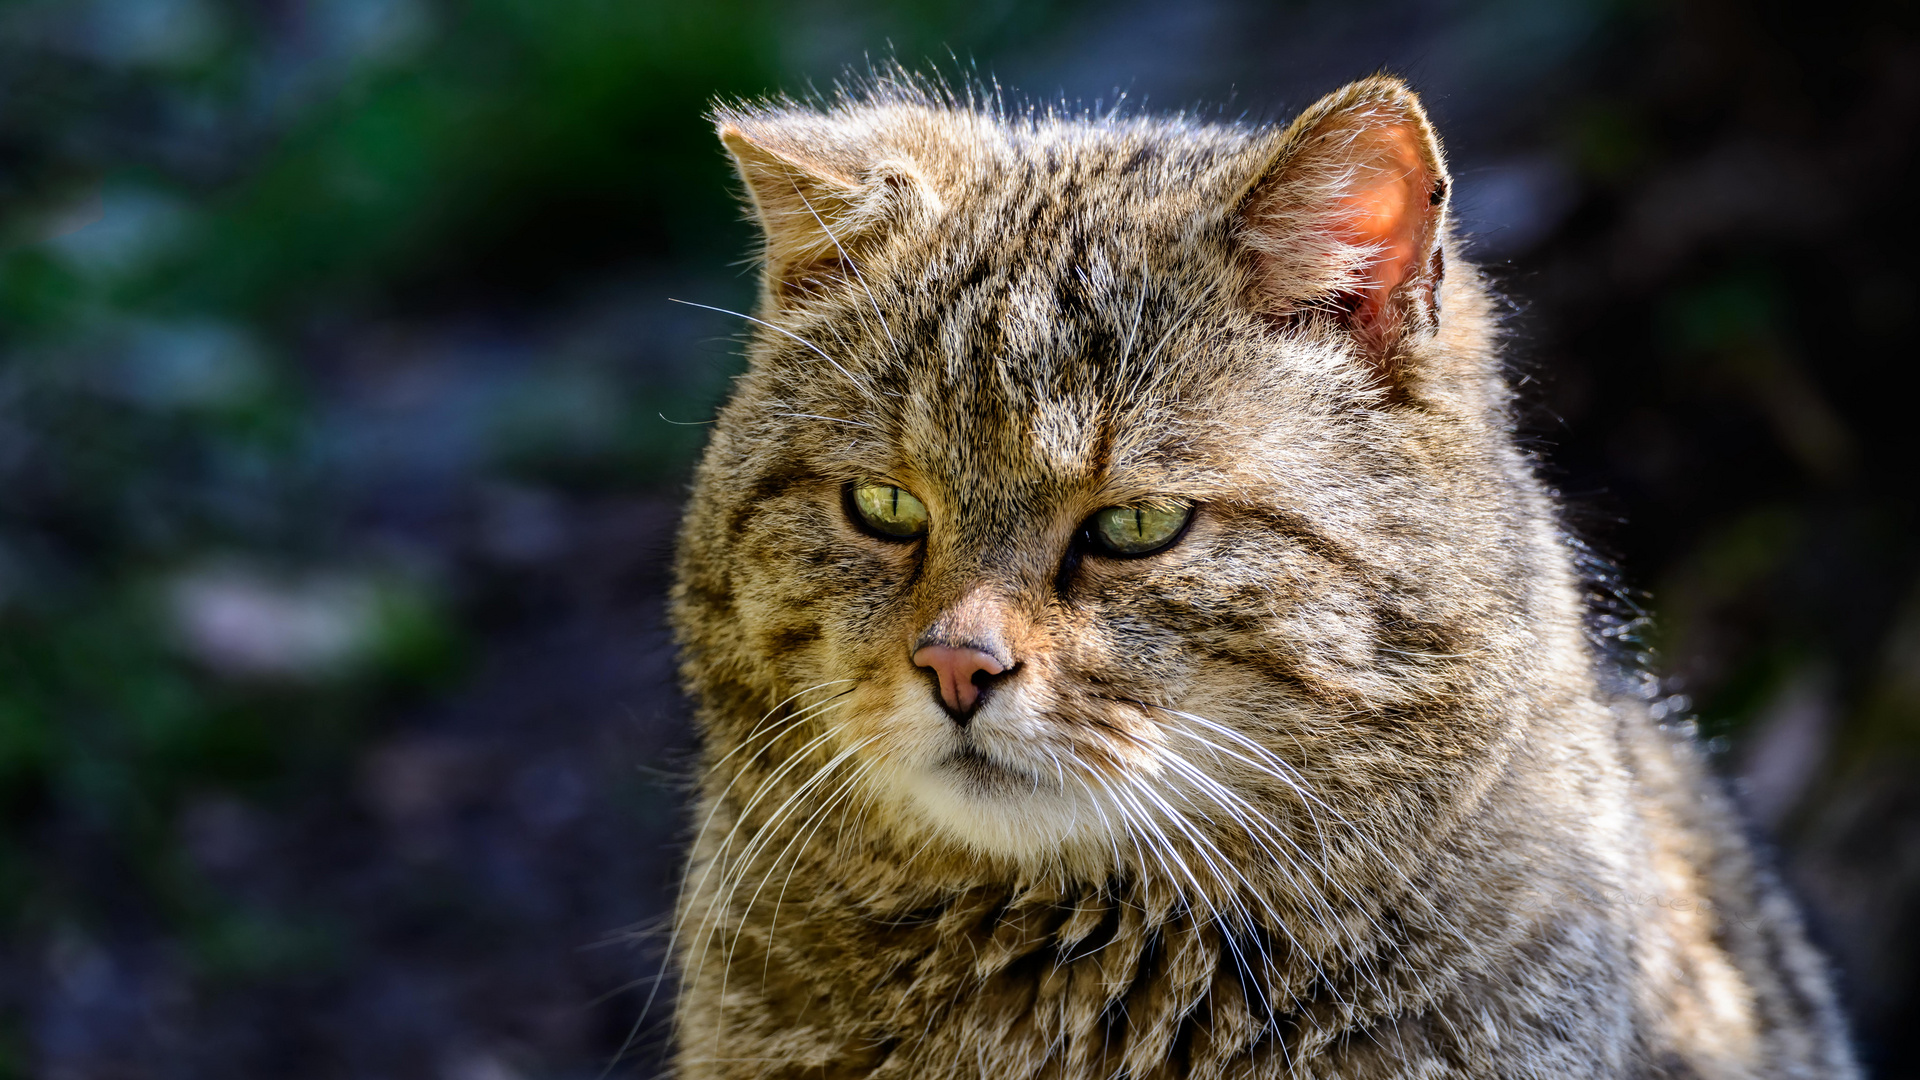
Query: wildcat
{"type": "Point", "coordinates": [1128, 642]}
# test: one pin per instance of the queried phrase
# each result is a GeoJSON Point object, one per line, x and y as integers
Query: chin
{"type": "Point", "coordinates": [1007, 805]}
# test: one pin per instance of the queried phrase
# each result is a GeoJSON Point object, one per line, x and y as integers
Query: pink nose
{"type": "Point", "coordinates": [956, 668]}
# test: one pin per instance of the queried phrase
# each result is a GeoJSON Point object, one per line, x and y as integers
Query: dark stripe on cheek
{"type": "Point", "coordinates": [1277, 667]}
{"type": "Point", "coordinates": [1300, 530]}
{"type": "Point", "coordinates": [762, 491]}
{"type": "Point", "coordinates": [787, 640]}
{"type": "Point", "coordinates": [719, 600]}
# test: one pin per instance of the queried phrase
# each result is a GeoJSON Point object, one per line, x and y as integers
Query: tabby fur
{"type": "Point", "coordinates": [1328, 788]}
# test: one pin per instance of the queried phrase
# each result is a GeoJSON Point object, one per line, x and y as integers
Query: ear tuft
{"type": "Point", "coordinates": [821, 196]}
{"type": "Point", "coordinates": [1349, 217]}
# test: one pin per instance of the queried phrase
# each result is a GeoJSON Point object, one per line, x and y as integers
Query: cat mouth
{"type": "Point", "coordinates": [984, 774]}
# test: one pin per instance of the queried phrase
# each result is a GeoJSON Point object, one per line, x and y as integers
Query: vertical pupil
{"type": "Point", "coordinates": [896, 501]}
{"type": "Point", "coordinates": [1139, 523]}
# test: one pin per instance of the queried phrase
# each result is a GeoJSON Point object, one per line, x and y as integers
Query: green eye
{"type": "Point", "coordinates": [889, 510]}
{"type": "Point", "coordinates": [1138, 530]}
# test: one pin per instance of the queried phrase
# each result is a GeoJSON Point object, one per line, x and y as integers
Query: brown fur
{"type": "Point", "coordinates": [1327, 788]}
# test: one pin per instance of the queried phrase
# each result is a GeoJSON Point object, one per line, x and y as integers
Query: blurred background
{"type": "Point", "coordinates": [345, 416]}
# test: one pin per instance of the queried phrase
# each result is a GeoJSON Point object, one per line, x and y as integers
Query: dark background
{"type": "Point", "coordinates": [344, 418]}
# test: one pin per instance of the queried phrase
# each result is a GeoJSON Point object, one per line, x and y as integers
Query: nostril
{"type": "Point", "coordinates": [962, 672]}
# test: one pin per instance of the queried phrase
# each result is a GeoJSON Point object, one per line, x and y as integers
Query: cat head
{"type": "Point", "coordinates": [1114, 495]}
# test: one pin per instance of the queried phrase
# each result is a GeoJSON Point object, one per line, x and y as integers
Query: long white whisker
{"type": "Point", "coordinates": [720, 860]}
{"type": "Point", "coordinates": [800, 834]}
{"type": "Point", "coordinates": [817, 350]}
{"type": "Point", "coordinates": [752, 736]}
{"type": "Point", "coordinates": [772, 736]}
{"type": "Point", "coordinates": [768, 833]}
{"type": "Point", "coordinates": [811, 826]}
{"type": "Point", "coordinates": [1256, 826]}
{"type": "Point", "coordinates": [1312, 799]}
{"type": "Point", "coordinates": [723, 900]}
{"type": "Point", "coordinates": [829, 419]}
{"type": "Point", "coordinates": [748, 738]}
{"type": "Point", "coordinates": [1218, 868]}
{"type": "Point", "coordinates": [1247, 821]}
{"type": "Point", "coordinates": [1145, 822]}
{"type": "Point", "coordinates": [1111, 833]}
{"type": "Point", "coordinates": [848, 259]}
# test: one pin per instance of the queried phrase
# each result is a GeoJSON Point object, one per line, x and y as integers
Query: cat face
{"type": "Point", "coordinates": [1108, 495]}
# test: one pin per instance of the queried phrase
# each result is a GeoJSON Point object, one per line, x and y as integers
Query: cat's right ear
{"type": "Point", "coordinates": [822, 199]}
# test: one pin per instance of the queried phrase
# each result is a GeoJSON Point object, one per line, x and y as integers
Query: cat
{"type": "Point", "coordinates": [1128, 642]}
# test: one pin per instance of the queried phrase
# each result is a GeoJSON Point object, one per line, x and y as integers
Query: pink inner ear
{"type": "Point", "coordinates": [1386, 211]}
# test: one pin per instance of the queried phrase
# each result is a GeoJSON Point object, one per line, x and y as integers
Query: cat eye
{"type": "Point", "coordinates": [888, 509]}
{"type": "Point", "coordinates": [1137, 530]}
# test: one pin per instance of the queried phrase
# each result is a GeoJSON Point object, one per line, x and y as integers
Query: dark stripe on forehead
{"type": "Point", "coordinates": [983, 266]}
{"type": "Point", "coordinates": [1100, 460]}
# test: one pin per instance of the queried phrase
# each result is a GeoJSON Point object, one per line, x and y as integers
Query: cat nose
{"type": "Point", "coordinates": [963, 672]}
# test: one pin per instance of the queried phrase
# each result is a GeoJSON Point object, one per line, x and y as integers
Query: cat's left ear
{"type": "Point", "coordinates": [1349, 218]}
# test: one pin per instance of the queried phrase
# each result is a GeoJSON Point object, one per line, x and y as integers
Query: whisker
{"type": "Point", "coordinates": [831, 419]}
{"type": "Point", "coordinates": [767, 834]}
{"type": "Point", "coordinates": [720, 859]}
{"type": "Point", "coordinates": [752, 736]}
{"type": "Point", "coordinates": [722, 900]}
{"type": "Point", "coordinates": [776, 708]}
{"type": "Point", "coordinates": [848, 259]}
{"type": "Point", "coordinates": [1321, 911]}
{"type": "Point", "coordinates": [817, 350]}
{"type": "Point", "coordinates": [1300, 787]}
{"type": "Point", "coordinates": [812, 825]}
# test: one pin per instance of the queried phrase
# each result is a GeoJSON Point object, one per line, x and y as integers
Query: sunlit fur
{"type": "Point", "coordinates": [1326, 788]}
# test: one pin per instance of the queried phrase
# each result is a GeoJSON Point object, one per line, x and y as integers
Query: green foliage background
{"type": "Point", "coordinates": [314, 315]}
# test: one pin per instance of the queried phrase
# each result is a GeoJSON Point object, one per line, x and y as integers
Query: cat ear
{"type": "Point", "coordinates": [821, 197]}
{"type": "Point", "coordinates": [1349, 218]}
